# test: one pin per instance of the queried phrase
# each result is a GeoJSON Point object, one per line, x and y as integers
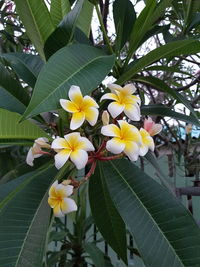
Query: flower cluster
{"type": "Point", "coordinates": [116, 135]}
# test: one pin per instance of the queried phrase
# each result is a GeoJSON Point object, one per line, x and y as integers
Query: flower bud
{"type": "Point", "coordinates": [188, 128]}
{"type": "Point", "coordinates": [105, 117]}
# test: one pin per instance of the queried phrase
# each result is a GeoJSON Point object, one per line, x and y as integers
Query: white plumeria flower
{"type": "Point", "coordinates": [59, 199]}
{"type": "Point", "coordinates": [147, 142]}
{"type": "Point", "coordinates": [126, 139]}
{"type": "Point", "coordinates": [35, 150]}
{"type": "Point", "coordinates": [82, 108]}
{"type": "Point", "coordinates": [72, 146]}
{"type": "Point", "coordinates": [124, 101]}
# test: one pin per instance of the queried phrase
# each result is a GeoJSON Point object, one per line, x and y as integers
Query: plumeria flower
{"type": "Point", "coordinates": [124, 101]}
{"type": "Point", "coordinates": [126, 138]}
{"type": "Point", "coordinates": [82, 108]}
{"type": "Point", "coordinates": [59, 199]}
{"type": "Point", "coordinates": [35, 151]}
{"type": "Point", "coordinates": [151, 127]}
{"type": "Point", "coordinates": [105, 117]}
{"type": "Point", "coordinates": [72, 146]}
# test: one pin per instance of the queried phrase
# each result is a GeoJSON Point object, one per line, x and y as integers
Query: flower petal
{"type": "Point", "coordinates": [109, 96]}
{"type": "Point", "coordinates": [75, 94]}
{"type": "Point", "coordinates": [129, 89]}
{"type": "Point", "coordinates": [115, 145]}
{"type": "Point", "coordinates": [63, 191]}
{"type": "Point", "coordinates": [77, 120]}
{"type": "Point", "coordinates": [68, 105]}
{"type": "Point", "coordinates": [110, 130]}
{"type": "Point", "coordinates": [132, 150]}
{"type": "Point", "coordinates": [52, 202]}
{"type": "Point", "coordinates": [132, 112]}
{"type": "Point", "coordinates": [89, 102]}
{"type": "Point", "coordinates": [86, 144]}
{"type": "Point", "coordinates": [130, 132]}
{"type": "Point", "coordinates": [115, 109]}
{"type": "Point", "coordinates": [62, 157]}
{"type": "Point", "coordinates": [68, 205]}
{"type": "Point", "coordinates": [57, 210]}
{"type": "Point", "coordinates": [91, 115]}
{"type": "Point", "coordinates": [59, 143]}
{"type": "Point", "coordinates": [114, 87]}
{"type": "Point", "coordinates": [30, 157]}
{"type": "Point", "coordinates": [143, 150]}
{"type": "Point", "coordinates": [157, 128]}
{"type": "Point", "coordinates": [79, 158]}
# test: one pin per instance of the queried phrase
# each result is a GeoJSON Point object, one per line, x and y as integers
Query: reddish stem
{"type": "Point", "coordinates": [91, 171]}
{"type": "Point", "coordinates": [44, 153]}
{"type": "Point", "coordinates": [110, 158]}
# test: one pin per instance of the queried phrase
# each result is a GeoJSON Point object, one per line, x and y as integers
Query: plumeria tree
{"type": "Point", "coordinates": [82, 112]}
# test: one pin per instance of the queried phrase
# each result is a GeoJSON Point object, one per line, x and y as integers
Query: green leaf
{"type": "Point", "coordinates": [64, 32]}
{"type": "Point", "coordinates": [97, 256]}
{"type": "Point", "coordinates": [26, 66]}
{"type": "Point", "coordinates": [36, 20]}
{"type": "Point", "coordinates": [85, 18]}
{"type": "Point", "coordinates": [58, 9]}
{"type": "Point", "coordinates": [24, 219]}
{"type": "Point", "coordinates": [168, 69]}
{"type": "Point", "coordinates": [169, 238]}
{"type": "Point", "coordinates": [10, 128]}
{"type": "Point", "coordinates": [77, 64]}
{"type": "Point", "coordinates": [172, 49]}
{"type": "Point", "coordinates": [163, 87]}
{"type": "Point", "coordinates": [13, 95]}
{"type": "Point", "coordinates": [124, 18]}
{"type": "Point", "coordinates": [162, 110]}
{"type": "Point", "coordinates": [106, 217]}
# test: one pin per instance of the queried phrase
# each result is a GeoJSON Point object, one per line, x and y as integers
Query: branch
{"type": "Point", "coordinates": [197, 80]}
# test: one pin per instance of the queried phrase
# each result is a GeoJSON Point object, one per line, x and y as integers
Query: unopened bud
{"type": "Point", "coordinates": [66, 182]}
{"type": "Point", "coordinates": [105, 117]}
{"type": "Point", "coordinates": [188, 128]}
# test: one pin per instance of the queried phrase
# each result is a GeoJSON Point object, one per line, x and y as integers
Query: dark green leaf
{"type": "Point", "coordinates": [77, 64]}
{"type": "Point", "coordinates": [106, 217]}
{"type": "Point", "coordinates": [26, 66]}
{"type": "Point", "coordinates": [169, 238]}
{"type": "Point", "coordinates": [162, 110]}
{"type": "Point", "coordinates": [58, 9]}
{"type": "Point", "coordinates": [36, 20]}
{"type": "Point", "coordinates": [64, 32]}
{"type": "Point", "coordinates": [24, 220]}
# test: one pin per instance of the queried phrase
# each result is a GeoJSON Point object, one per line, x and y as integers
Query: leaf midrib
{"type": "Point", "coordinates": [147, 213]}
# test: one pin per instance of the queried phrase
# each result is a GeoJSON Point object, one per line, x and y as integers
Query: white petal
{"type": "Point", "coordinates": [30, 157]}
{"type": "Point", "coordinates": [91, 115]}
{"type": "Point", "coordinates": [115, 145]}
{"type": "Point", "coordinates": [143, 150]}
{"type": "Point", "coordinates": [61, 158]}
{"type": "Point", "coordinates": [41, 141]}
{"type": "Point", "coordinates": [132, 112]}
{"type": "Point", "coordinates": [90, 102]}
{"type": "Point", "coordinates": [129, 88]}
{"type": "Point", "coordinates": [68, 205]}
{"type": "Point", "coordinates": [86, 145]}
{"type": "Point", "coordinates": [110, 130]}
{"type": "Point", "coordinates": [132, 150]}
{"type": "Point", "coordinates": [79, 158]}
{"type": "Point", "coordinates": [64, 190]}
{"type": "Point", "coordinates": [68, 105]}
{"type": "Point", "coordinates": [109, 96]}
{"type": "Point", "coordinates": [59, 143]}
{"type": "Point", "coordinates": [53, 189]}
{"type": "Point", "coordinates": [115, 109]}
{"type": "Point", "coordinates": [75, 93]}
{"type": "Point", "coordinates": [77, 120]}
{"type": "Point", "coordinates": [57, 211]}
{"type": "Point", "coordinates": [114, 87]}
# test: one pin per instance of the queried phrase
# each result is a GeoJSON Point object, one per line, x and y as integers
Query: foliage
{"type": "Point", "coordinates": [48, 51]}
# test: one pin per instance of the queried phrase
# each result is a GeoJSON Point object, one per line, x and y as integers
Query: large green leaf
{"type": "Point", "coordinates": [59, 8]}
{"type": "Point", "coordinates": [26, 66]}
{"type": "Point", "coordinates": [162, 110]}
{"type": "Point", "coordinates": [165, 232]}
{"type": "Point", "coordinates": [10, 128]}
{"type": "Point", "coordinates": [24, 219]}
{"type": "Point", "coordinates": [64, 32]}
{"type": "Point", "coordinates": [36, 20]}
{"type": "Point", "coordinates": [124, 18]}
{"type": "Point", "coordinates": [85, 18]}
{"type": "Point", "coordinates": [175, 48]}
{"type": "Point", "coordinates": [12, 95]}
{"type": "Point", "coordinates": [106, 216]}
{"type": "Point", "coordinates": [77, 64]}
{"type": "Point", "coordinates": [163, 87]}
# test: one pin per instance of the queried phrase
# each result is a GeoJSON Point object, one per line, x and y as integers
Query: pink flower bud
{"type": "Point", "coordinates": [151, 127]}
